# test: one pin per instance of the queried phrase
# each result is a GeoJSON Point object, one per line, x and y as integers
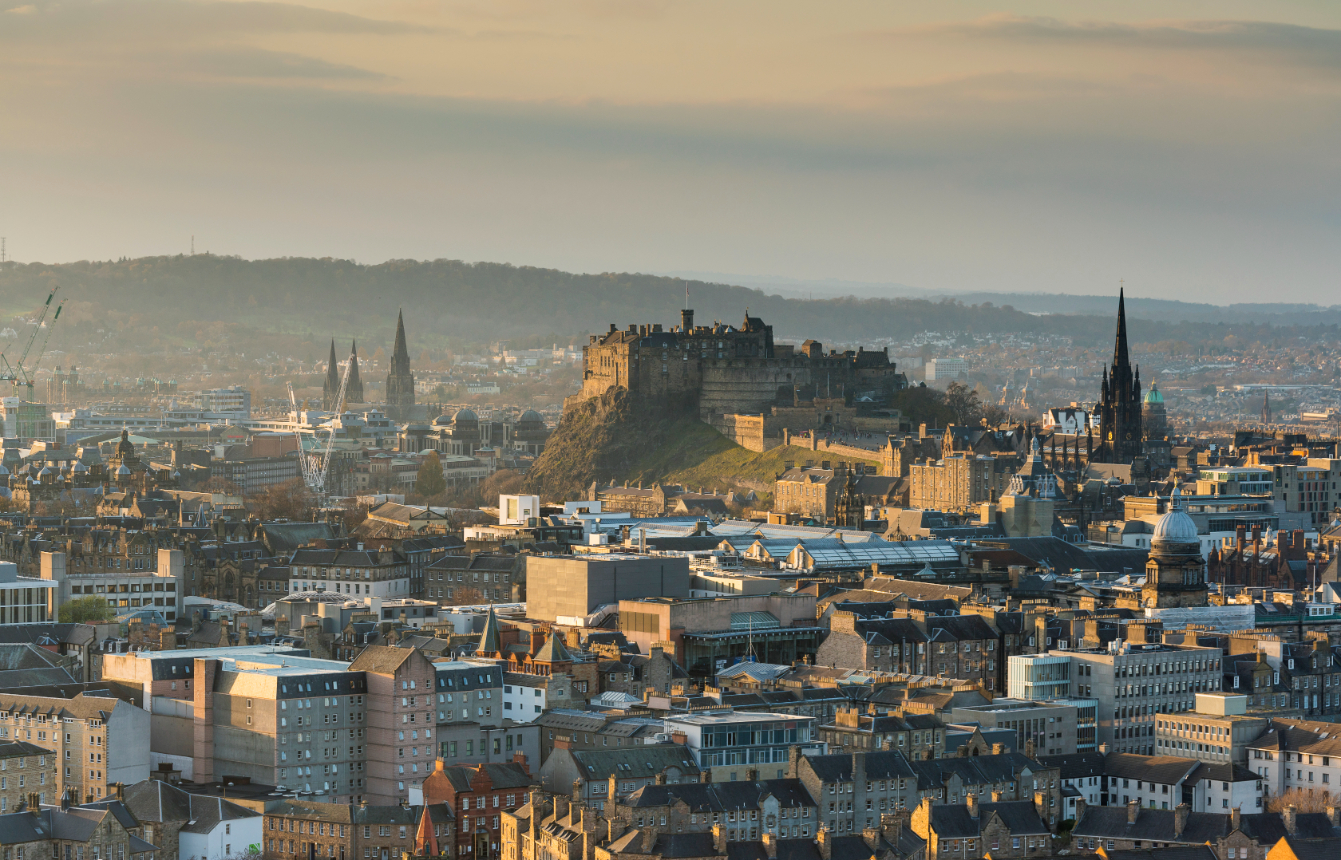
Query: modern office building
{"type": "Point", "coordinates": [732, 743]}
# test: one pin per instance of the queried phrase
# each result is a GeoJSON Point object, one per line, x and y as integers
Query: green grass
{"type": "Point", "coordinates": [699, 456]}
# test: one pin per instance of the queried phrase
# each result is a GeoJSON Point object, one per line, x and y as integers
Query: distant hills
{"type": "Point", "coordinates": [244, 304]}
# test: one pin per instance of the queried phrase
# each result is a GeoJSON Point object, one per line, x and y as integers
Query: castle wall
{"type": "Point", "coordinates": [746, 431]}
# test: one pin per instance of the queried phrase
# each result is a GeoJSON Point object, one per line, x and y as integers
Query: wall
{"type": "Point", "coordinates": [572, 586]}
{"type": "Point", "coordinates": [127, 745]}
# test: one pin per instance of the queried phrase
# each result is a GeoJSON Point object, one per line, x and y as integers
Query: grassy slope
{"type": "Point", "coordinates": [611, 437]}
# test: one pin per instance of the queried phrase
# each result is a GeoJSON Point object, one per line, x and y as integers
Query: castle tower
{"type": "Point", "coordinates": [354, 393]}
{"type": "Point", "coordinates": [1120, 401]}
{"type": "Point", "coordinates": [330, 389]}
{"type": "Point", "coordinates": [400, 382]}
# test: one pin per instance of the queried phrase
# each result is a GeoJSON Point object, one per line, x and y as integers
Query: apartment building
{"type": "Point", "coordinates": [357, 572]}
{"type": "Point", "coordinates": [478, 795]}
{"type": "Point", "coordinates": [1218, 731]}
{"type": "Point", "coordinates": [271, 715]}
{"type": "Point", "coordinates": [1134, 684]}
{"type": "Point", "coordinates": [728, 744]}
{"type": "Point", "coordinates": [401, 685]}
{"type": "Point", "coordinates": [25, 768]}
{"type": "Point", "coordinates": [97, 741]}
{"type": "Point", "coordinates": [296, 828]}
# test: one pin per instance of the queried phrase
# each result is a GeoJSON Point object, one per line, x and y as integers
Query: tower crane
{"type": "Point", "coordinates": [20, 373]}
{"type": "Point", "coordinates": [316, 467]}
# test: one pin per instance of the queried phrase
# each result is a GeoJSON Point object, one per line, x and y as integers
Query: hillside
{"type": "Point", "coordinates": [610, 439]}
{"type": "Point", "coordinates": [292, 305]}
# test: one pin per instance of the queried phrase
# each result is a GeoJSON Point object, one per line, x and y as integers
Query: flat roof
{"type": "Point", "coordinates": [736, 717]}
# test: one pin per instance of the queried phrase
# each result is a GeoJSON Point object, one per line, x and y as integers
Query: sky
{"type": "Point", "coordinates": [1186, 148]}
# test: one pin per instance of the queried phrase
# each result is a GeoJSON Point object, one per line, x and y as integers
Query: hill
{"type": "Point", "coordinates": [611, 439]}
{"type": "Point", "coordinates": [290, 306]}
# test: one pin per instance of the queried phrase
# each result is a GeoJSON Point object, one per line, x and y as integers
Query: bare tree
{"type": "Point", "coordinates": [1302, 799]}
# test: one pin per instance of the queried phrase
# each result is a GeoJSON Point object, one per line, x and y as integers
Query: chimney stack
{"type": "Point", "coordinates": [1180, 818]}
{"type": "Point", "coordinates": [971, 800]}
{"type": "Point", "coordinates": [1133, 810]}
{"type": "Point", "coordinates": [1291, 818]}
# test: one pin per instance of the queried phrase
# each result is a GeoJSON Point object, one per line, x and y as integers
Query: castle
{"type": "Point", "coordinates": [723, 373]}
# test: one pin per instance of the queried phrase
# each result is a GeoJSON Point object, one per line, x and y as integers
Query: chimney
{"type": "Point", "coordinates": [825, 842]}
{"type": "Point", "coordinates": [1133, 810]}
{"type": "Point", "coordinates": [687, 320]}
{"type": "Point", "coordinates": [613, 791]}
{"type": "Point", "coordinates": [119, 791]}
{"type": "Point", "coordinates": [998, 749]}
{"type": "Point", "coordinates": [971, 800]}
{"type": "Point", "coordinates": [660, 778]}
{"type": "Point", "coordinates": [871, 836]}
{"type": "Point", "coordinates": [1235, 818]}
{"type": "Point", "coordinates": [1041, 807]}
{"type": "Point", "coordinates": [1081, 806]}
{"type": "Point", "coordinates": [752, 774]}
{"type": "Point", "coordinates": [1029, 749]}
{"type": "Point", "coordinates": [996, 796]}
{"type": "Point", "coordinates": [35, 804]}
{"type": "Point", "coordinates": [719, 839]}
{"type": "Point", "coordinates": [770, 845]}
{"type": "Point", "coordinates": [1180, 818]}
{"type": "Point", "coordinates": [891, 827]}
{"type": "Point", "coordinates": [1291, 818]}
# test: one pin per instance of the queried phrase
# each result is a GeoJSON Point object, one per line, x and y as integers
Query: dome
{"type": "Point", "coordinates": [122, 470]}
{"type": "Point", "coordinates": [1153, 395]}
{"type": "Point", "coordinates": [442, 420]}
{"type": "Point", "coordinates": [1175, 527]}
{"type": "Point", "coordinates": [464, 415]}
{"type": "Point", "coordinates": [530, 415]}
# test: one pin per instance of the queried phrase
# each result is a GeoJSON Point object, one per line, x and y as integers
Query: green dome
{"type": "Point", "coordinates": [1153, 395]}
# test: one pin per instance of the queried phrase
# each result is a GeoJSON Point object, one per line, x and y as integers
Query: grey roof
{"type": "Point", "coordinates": [1157, 825]}
{"type": "Point", "coordinates": [722, 796]}
{"type": "Point", "coordinates": [1075, 765]}
{"type": "Point", "coordinates": [953, 821]}
{"type": "Point", "coordinates": [1160, 769]}
{"type": "Point", "coordinates": [837, 767]}
{"type": "Point", "coordinates": [639, 761]}
{"type": "Point", "coordinates": [156, 800]}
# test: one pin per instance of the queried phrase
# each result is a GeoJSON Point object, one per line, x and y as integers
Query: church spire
{"type": "Point", "coordinates": [1120, 357]}
{"type": "Point", "coordinates": [331, 388]}
{"type": "Point", "coordinates": [425, 841]}
{"type": "Point", "coordinates": [400, 356]}
{"type": "Point", "coordinates": [354, 393]}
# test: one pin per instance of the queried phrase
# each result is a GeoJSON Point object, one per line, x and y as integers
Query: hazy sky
{"type": "Point", "coordinates": [1191, 148]}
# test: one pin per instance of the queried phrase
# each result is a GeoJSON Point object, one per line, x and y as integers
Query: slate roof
{"type": "Point", "coordinates": [380, 659]}
{"type": "Point", "coordinates": [972, 770]}
{"type": "Point", "coordinates": [641, 761]}
{"type": "Point", "coordinates": [953, 821]}
{"type": "Point", "coordinates": [156, 800]}
{"type": "Point", "coordinates": [837, 767]}
{"type": "Point", "coordinates": [722, 796]}
{"type": "Point", "coordinates": [1157, 825]}
{"type": "Point", "coordinates": [1160, 769]}
{"type": "Point", "coordinates": [1075, 765]}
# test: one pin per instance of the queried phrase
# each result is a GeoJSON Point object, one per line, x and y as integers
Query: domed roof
{"type": "Point", "coordinates": [1153, 395]}
{"type": "Point", "coordinates": [530, 415]}
{"type": "Point", "coordinates": [464, 415]}
{"type": "Point", "coordinates": [442, 420]}
{"type": "Point", "coordinates": [1175, 528]}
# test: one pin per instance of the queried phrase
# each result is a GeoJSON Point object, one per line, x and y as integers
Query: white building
{"type": "Point", "coordinates": [25, 600]}
{"type": "Point", "coordinates": [946, 368]}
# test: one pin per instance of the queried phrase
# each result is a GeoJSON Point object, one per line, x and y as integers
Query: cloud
{"type": "Point", "coordinates": [151, 20]}
{"type": "Point", "coordinates": [1305, 46]}
{"type": "Point", "coordinates": [249, 63]}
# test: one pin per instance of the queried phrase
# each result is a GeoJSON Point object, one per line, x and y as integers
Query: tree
{"type": "Point", "coordinates": [1303, 799]}
{"type": "Point", "coordinates": [291, 500]}
{"type": "Point", "coordinates": [85, 610]}
{"type": "Point", "coordinates": [430, 482]}
{"type": "Point", "coordinates": [964, 403]}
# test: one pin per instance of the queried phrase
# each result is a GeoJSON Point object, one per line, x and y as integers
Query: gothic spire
{"type": "Point", "coordinates": [354, 394]}
{"type": "Point", "coordinates": [1120, 357]}
{"type": "Point", "coordinates": [400, 356]}
{"type": "Point", "coordinates": [490, 640]}
{"type": "Point", "coordinates": [332, 375]}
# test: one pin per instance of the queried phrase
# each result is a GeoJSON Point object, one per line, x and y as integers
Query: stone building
{"type": "Point", "coordinates": [722, 370]}
{"type": "Point", "coordinates": [1120, 405]}
{"type": "Point", "coordinates": [24, 768]}
{"type": "Point", "coordinates": [403, 680]}
{"type": "Point", "coordinates": [1175, 575]}
{"type": "Point", "coordinates": [400, 381]}
{"type": "Point", "coordinates": [997, 829]}
{"type": "Point", "coordinates": [958, 483]}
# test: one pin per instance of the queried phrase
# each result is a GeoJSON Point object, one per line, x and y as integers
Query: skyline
{"type": "Point", "coordinates": [974, 148]}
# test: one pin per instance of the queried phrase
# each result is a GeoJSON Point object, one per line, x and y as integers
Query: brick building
{"type": "Point", "coordinates": [478, 796]}
{"type": "Point", "coordinates": [400, 747]}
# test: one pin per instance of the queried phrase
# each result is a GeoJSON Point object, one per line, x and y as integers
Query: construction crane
{"type": "Point", "coordinates": [316, 467]}
{"type": "Point", "coordinates": [306, 462]}
{"type": "Point", "coordinates": [21, 373]}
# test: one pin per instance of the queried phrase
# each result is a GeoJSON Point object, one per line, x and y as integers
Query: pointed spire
{"type": "Point", "coordinates": [425, 842]}
{"type": "Point", "coordinates": [332, 375]}
{"type": "Point", "coordinates": [354, 394]}
{"type": "Point", "coordinates": [490, 641]}
{"type": "Point", "coordinates": [1120, 357]}
{"type": "Point", "coordinates": [402, 350]}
